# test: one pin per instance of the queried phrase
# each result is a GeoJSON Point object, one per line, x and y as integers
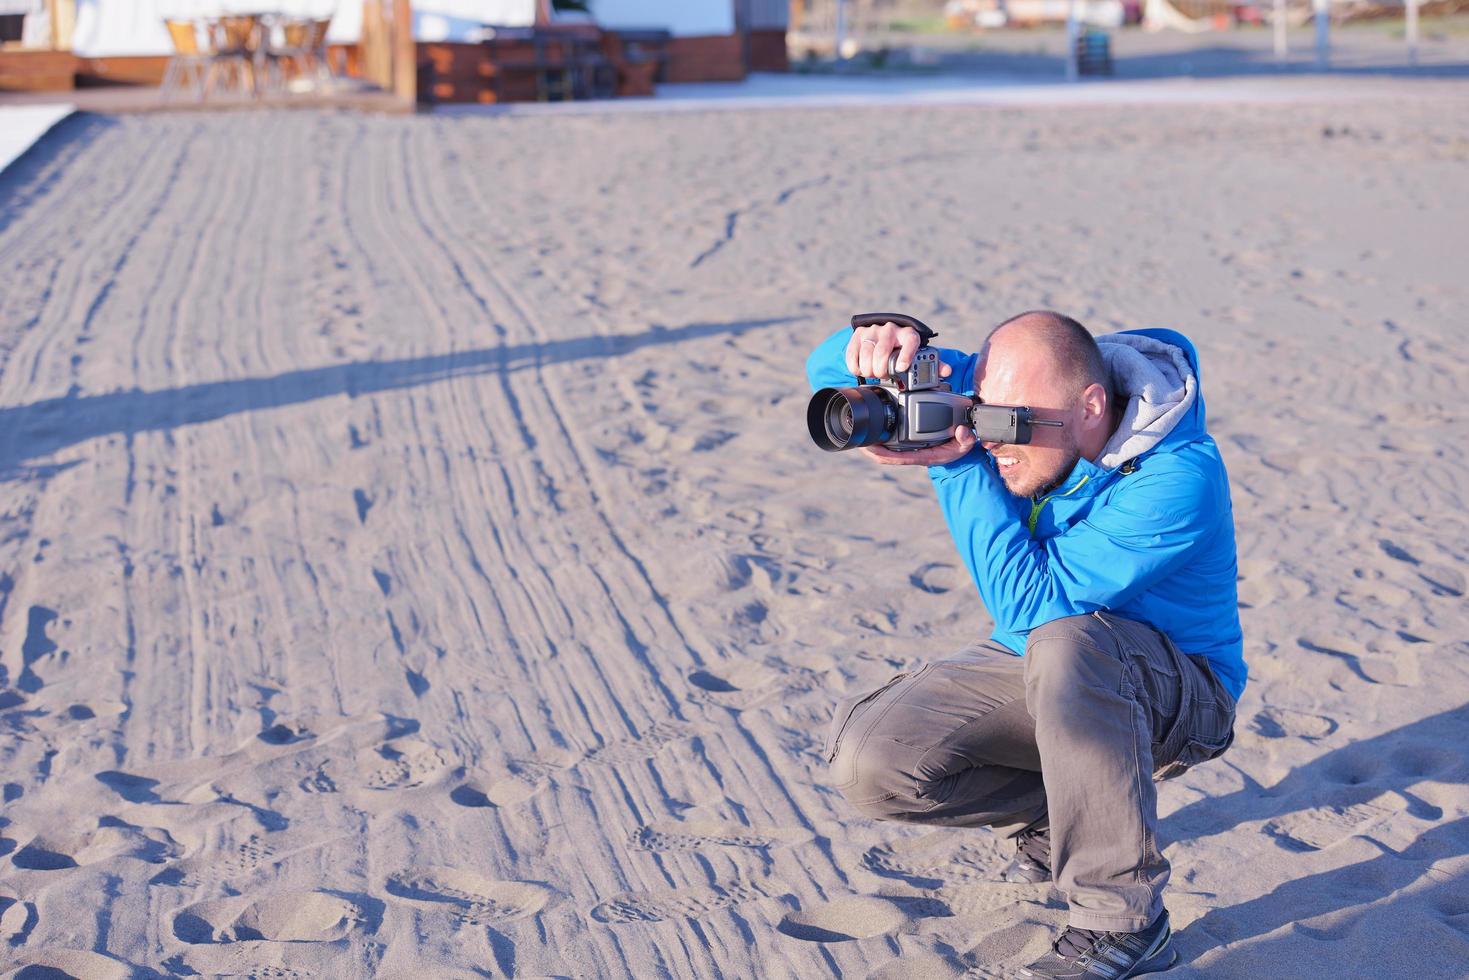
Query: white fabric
{"type": "Point", "coordinates": [1160, 15]}
{"type": "Point", "coordinates": [1160, 388]}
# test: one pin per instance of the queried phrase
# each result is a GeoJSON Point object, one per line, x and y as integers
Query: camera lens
{"type": "Point", "coordinates": [847, 418]}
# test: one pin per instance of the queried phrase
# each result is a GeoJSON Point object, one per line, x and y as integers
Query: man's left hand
{"type": "Point", "coordinates": [944, 452]}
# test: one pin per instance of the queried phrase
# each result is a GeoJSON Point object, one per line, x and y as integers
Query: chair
{"type": "Point", "coordinates": [303, 50]}
{"type": "Point", "coordinates": [188, 63]}
{"type": "Point", "coordinates": [237, 43]}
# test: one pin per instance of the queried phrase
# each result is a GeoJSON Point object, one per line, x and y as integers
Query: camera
{"type": "Point", "coordinates": [912, 409]}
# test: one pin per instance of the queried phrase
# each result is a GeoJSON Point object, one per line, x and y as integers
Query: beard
{"type": "Point", "coordinates": [1025, 480]}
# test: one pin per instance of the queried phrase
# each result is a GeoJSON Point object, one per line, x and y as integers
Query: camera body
{"type": "Point", "coordinates": [912, 409]}
{"type": "Point", "coordinates": [927, 409]}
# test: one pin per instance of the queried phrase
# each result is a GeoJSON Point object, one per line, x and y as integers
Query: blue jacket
{"type": "Point", "coordinates": [1150, 539]}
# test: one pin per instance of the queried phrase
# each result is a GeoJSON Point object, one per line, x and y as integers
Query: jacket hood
{"type": "Point", "coordinates": [1157, 372]}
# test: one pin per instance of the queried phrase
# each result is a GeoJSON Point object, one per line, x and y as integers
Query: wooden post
{"type": "Point", "coordinates": [405, 53]}
{"type": "Point", "coordinates": [377, 58]}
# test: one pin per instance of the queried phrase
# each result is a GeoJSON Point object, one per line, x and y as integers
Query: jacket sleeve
{"type": "Point", "coordinates": [827, 365]}
{"type": "Point", "coordinates": [1137, 536]}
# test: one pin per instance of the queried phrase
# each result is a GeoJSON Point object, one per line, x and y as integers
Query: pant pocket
{"type": "Point", "coordinates": [849, 712]}
{"type": "Point", "coordinates": [1210, 723]}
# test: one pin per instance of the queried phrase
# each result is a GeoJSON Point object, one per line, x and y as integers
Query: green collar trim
{"type": "Point", "coordinates": [1036, 506]}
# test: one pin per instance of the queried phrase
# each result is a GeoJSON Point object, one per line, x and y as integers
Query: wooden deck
{"type": "Point", "coordinates": [138, 98]}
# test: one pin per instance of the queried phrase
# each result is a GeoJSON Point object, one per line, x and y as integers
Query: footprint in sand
{"type": "Point", "coordinates": [113, 838]}
{"type": "Point", "coordinates": [94, 710]}
{"type": "Point", "coordinates": [505, 792]}
{"type": "Point", "coordinates": [1423, 759]}
{"type": "Point", "coordinates": [317, 782]}
{"type": "Point", "coordinates": [471, 898]}
{"type": "Point", "coordinates": [134, 789]}
{"type": "Point", "coordinates": [232, 863]}
{"type": "Point", "coordinates": [1263, 582]}
{"type": "Point", "coordinates": [877, 621]}
{"type": "Point", "coordinates": [80, 963]}
{"type": "Point", "coordinates": [285, 917]}
{"type": "Point", "coordinates": [17, 918]}
{"type": "Point", "coordinates": [525, 778]}
{"type": "Point", "coordinates": [935, 858]}
{"type": "Point", "coordinates": [692, 902]}
{"type": "Point", "coordinates": [410, 763]}
{"type": "Point", "coordinates": [739, 686]}
{"type": "Point", "coordinates": [935, 578]}
{"type": "Point", "coordinates": [1276, 722]}
{"type": "Point", "coordinates": [859, 917]}
{"type": "Point", "coordinates": [692, 835]}
{"type": "Point", "coordinates": [1396, 669]}
{"type": "Point", "coordinates": [741, 570]}
{"type": "Point", "coordinates": [284, 733]}
{"type": "Point", "coordinates": [1444, 580]}
{"type": "Point", "coordinates": [1322, 826]}
{"type": "Point", "coordinates": [642, 747]}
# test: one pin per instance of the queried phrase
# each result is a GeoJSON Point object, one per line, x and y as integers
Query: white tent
{"type": "Point", "coordinates": [118, 28]}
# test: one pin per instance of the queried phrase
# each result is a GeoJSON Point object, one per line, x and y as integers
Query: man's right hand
{"type": "Point", "coordinates": [870, 349]}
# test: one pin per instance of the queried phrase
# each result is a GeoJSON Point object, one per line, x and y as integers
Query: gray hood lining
{"type": "Point", "coordinates": [1160, 388]}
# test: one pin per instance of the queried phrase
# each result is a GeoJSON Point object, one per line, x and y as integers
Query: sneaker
{"type": "Point", "coordinates": [1099, 955]}
{"type": "Point", "coordinates": [1032, 861]}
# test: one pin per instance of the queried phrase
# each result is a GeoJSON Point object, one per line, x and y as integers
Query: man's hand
{"type": "Point", "coordinates": [870, 349]}
{"type": "Point", "coordinates": [944, 452]}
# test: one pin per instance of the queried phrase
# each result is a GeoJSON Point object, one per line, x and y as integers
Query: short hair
{"type": "Point", "coordinates": [1078, 358]}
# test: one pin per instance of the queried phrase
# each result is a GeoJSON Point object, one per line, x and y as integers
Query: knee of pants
{"type": "Point", "coordinates": [1062, 655]}
{"type": "Point", "coordinates": [871, 776]}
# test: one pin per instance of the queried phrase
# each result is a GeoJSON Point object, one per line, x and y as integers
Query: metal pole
{"type": "Point", "coordinates": [1071, 33]}
{"type": "Point", "coordinates": [1412, 31]}
{"type": "Point", "coordinates": [1323, 35]}
{"type": "Point", "coordinates": [1280, 41]}
{"type": "Point", "coordinates": [841, 29]}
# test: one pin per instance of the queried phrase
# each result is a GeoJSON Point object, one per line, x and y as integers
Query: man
{"type": "Point", "coordinates": [1104, 551]}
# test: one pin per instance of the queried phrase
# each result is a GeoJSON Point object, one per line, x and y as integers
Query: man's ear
{"type": "Point", "coordinates": [1094, 403]}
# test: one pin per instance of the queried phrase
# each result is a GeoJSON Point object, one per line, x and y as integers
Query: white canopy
{"type": "Point", "coordinates": [116, 28]}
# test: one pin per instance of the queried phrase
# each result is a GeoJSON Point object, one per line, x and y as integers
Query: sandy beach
{"type": "Point", "coordinates": [413, 562]}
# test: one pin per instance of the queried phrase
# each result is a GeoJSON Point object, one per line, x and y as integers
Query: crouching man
{"type": "Point", "coordinates": [1104, 551]}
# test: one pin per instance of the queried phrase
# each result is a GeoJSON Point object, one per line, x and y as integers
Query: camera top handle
{"type": "Point", "coordinates": [901, 319]}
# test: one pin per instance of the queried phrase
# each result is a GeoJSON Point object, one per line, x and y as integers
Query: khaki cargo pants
{"type": "Point", "coordinates": [1073, 733]}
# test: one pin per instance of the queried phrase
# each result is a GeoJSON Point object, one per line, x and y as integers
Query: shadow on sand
{"type": "Point", "coordinates": [32, 175]}
{"type": "Point", "coordinates": [28, 432]}
{"type": "Point", "coordinates": [1432, 869]}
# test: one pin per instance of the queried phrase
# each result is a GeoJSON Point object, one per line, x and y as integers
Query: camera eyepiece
{"type": "Point", "coordinates": [849, 418]}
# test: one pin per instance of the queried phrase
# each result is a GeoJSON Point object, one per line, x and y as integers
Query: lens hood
{"type": "Point", "coordinates": [848, 418]}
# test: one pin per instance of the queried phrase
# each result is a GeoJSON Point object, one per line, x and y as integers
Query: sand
{"type": "Point", "coordinates": [413, 562]}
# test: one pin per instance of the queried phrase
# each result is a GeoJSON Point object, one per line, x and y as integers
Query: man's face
{"type": "Point", "coordinates": [1020, 373]}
